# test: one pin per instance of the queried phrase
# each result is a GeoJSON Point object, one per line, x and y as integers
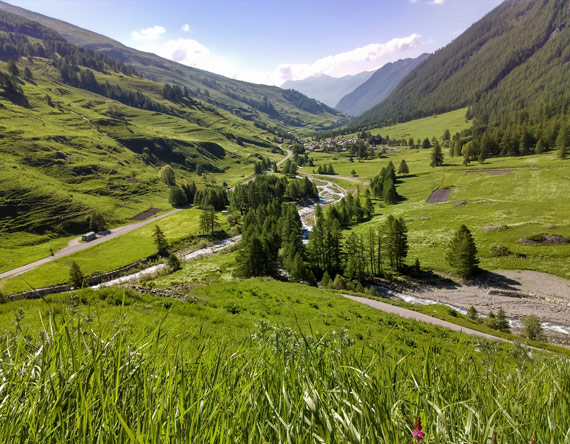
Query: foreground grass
{"type": "Point", "coordinates": [77, 377]}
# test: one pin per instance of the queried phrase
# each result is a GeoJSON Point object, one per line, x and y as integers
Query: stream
{"type": "Point", "coordinates": [329, 193]}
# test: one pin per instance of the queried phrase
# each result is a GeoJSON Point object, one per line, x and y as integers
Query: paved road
{"type": "Point", "coordinates": [76, 245]}
{"type": "Point", "coordinates": [287, 157]}
{"type": "Point", "coordinates": [410, 314]}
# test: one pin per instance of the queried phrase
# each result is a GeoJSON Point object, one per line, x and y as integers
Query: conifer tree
{"type": "Point", "coordinates": [173, 262]}
{"type": "Point", "coordinates": [325, 280]}
{"type": "Point", "coordinates": [502, 321]}
{"type": "Point", "coordinates": [395, 242]}
{"type": "Point", "coordinates": [403, 169]}
{"type": "Point", "coordinates": [462, 253]}
{"type": "Point", "coordinates": [76, 277]}
{"type": "Point", "coordinates": [13, 68]}
{"type": "Point", "coordinates": [562, 142]}
{"type": "Point", "coordinates": [389, 194]}
{"type": "Point", "coordinates": [436, 155]}
{"type": "Point", "coordinates": [160, 241]}
{"type": "Point", "coordinates": [177, 196]}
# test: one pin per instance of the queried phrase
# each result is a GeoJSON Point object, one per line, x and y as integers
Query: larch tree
{"type": "Point", "coordinates": [462, 253]}
{"type": "Point", "coordinates": [160, 241]}
{"type": "Point", "coordinates": [403, 169]}
{"type": "Point", "coordinates": [436, 155]}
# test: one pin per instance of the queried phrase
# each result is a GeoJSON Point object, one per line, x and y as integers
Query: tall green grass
{"type": "Point", "coordinates": [74, 383]}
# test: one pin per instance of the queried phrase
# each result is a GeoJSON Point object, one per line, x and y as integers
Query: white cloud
{"type": "Point", "coordinates": [352, 62]}
{"type": "Point", "coordinates": [192, 53]}
{"type": "Point", "coordinates": [148, 33]}
{"type": "Point", "coordinates": [437, 2]}
{"type": "Point", "coordinates": [186, 28]}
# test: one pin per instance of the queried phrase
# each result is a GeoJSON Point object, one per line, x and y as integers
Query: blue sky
{"type": "Point", "coordinates": [272, 41]}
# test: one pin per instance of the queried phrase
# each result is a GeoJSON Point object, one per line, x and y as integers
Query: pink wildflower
{"type": "Point", "coordinates": [417, 431]}
{"type": "Point", "coordinates": [532, 441]}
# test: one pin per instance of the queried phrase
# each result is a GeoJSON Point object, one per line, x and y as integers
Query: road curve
{"type": "Point", "coordinates": [410, 314]}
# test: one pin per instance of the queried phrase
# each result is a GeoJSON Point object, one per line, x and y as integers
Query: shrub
{"type": "Point", "coordinates": [532, 328]}
{"type": "Point", "coordinates": [500, 251]}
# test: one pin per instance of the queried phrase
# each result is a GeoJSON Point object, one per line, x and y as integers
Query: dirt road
{"type": "Point", "coordinates": [409, 314]}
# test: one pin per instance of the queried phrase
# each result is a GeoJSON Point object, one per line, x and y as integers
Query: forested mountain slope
{"type": "Point", "coordinates": [269, 107]}
{"type": "Point", "coordinates": [514, 59]}
{"type": "Point", "coordinates": [378, 86]}
{"type": "Point", "coordinates": [328, 90]}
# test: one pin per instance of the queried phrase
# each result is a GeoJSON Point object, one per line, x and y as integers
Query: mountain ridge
{"type": "Point", "coordinates": [378, 86]}
{"type": "Point", "coordinates": [481, 67]}
{"type": "Point", "coordinates": [327, 89]}
{"type": "Point", "coordinates": [246, 100]}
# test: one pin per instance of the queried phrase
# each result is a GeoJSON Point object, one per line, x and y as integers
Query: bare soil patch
{"type": "Point", "coordinates": [544, 239]}
{"type": "Point", "coordinates": [146, 214]}
{"type": "Point", "coordinates": [439, 196]}
{"type": "Point", "coordinates": [461, 203]}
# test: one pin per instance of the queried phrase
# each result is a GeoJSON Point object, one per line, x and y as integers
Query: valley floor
{"type": "Point", "coordinates": [518, 292]}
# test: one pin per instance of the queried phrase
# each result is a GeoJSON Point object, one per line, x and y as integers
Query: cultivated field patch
{"type": "Point", "coordinates": [146, 214]}
{"type": "Point", "coordinates": [439, 196]}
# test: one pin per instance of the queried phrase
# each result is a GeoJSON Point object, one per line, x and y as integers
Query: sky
{"type": "Point", "coordinates": [271, 41]}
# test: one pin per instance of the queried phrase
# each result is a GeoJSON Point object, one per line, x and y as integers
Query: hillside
{"type": "Point", "coordinates": [378, 86]}
{"type": "Point", "coordinates": [270, 107]}
{"type": "Point", "coordinates": [81, 132]}
{"type": "Point", "coordinates": [326, 89]}
{"type": "Point", "coordinates": [514, 59]}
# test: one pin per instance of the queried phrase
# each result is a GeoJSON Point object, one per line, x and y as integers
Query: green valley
{"type": "Point", "coordinates": [186, 257]}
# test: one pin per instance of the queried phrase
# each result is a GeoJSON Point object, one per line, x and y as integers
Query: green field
{"type": "Point", "coordinates": [427, 127]}
{"type": "Point", "coordinates": [109, 255]}
{"type": "Point", "coordinates": [529, 200]}
{"type": "Point", "coordinates": [123, 367]}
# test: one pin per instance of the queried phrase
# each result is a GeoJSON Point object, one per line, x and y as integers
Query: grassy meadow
{"type": "Point", "coordinates": [427, 127]}
{"type": "Point", "coordinates": [529, 200]}
{"type": "Point", "coordinates": [109, 255]}
{"type": "Point", "coordinates": [263, 361]}
{"type": "Point", "coordinates": [83, 151]}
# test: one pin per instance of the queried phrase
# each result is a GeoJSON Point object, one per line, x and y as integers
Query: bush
{"type": "Point", "coordinates": [472, 313]}
{"type": "Point", "coordinates": [532, 328]}
{"type": "Point", "coordinates": [500, 251]}
{"type": "Point", "coordinates": [173, 262]}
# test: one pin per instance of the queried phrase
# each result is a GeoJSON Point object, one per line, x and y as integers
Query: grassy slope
{"type": "Point", "coordinates": [43, 146]}
{"type": "Point", "coordinates": [229, 314]}
{"type": "Point", "coordinates": [528, 200]}
{"type": "Point", "coordinates": [223, 92]}
{"type": "Point", "coordinates": [427, 127]}
{"type": "Point", "coordinates": [109, 255]}
{"type": "Point", "coordinates": [162, 369]}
